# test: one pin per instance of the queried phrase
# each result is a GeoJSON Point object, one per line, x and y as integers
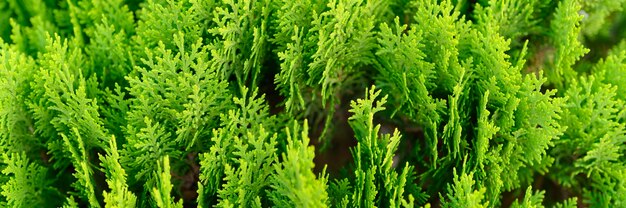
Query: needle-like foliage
{"type": "Point", "coordinates": [119, 195]}
{"type": "Point", "coordinates": [377, 183]}
{"type": "Point", "coordinates": [271, 103]}
{"type": "Point", "coordinates": [295, 184]}
{"type": "Point", "coordinates": [184, 102]}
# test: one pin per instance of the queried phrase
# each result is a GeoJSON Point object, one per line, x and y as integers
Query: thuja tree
{"type": "Point", "coordinates": [312, 103]}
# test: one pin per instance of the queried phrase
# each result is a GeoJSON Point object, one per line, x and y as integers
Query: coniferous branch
{"type": "Point", "coordinates": [26, 183]}
{"type": "Point", "coordinates": [511, 96]}
{"type": "Point", "coordinates": [70, 203]}
{"type": "Point", "coordinates": [530, 199]}
{"type": "Point", "coordinates": [115, 114]}
{"type": "Point", "coordinates": [463, 193]}
{"type": "Point", "coordinates": [254, 159]}
{"type": "Point", "coordinates": [290, 80]}
{"type": "Point", "coordinates": [483, 54]}
{"type": "Point", "coordinates": [295, 46]}
{"type": "Point", "coordinates": [376, 182]}
{"type": "Point", "coordinates": [441, 30]}
{"type": "Point", "coordinates": [16, 121]}
{"type": "Point", "coordinates": [564, 33]}
{"type": "Point", "coordinates": [176, 112]}
{"type": "Point", "coordinates": [569, 203]}
{"type": "Point", "coordinates": [159, 21]}
{"type": "Point", "coordinates": [120, 195]}
{"type": "Point", "coordinates": [110, 54]}
{"type": "Point", "coordinates": [96, 12]}
{"type": "Point", "coordinates": [241, 31]}
{"type": "Point", "coordinates": [609, 71]}
{"type": "Point", "coordinates": [161, 191]}
{"type": "Point", "coordinates": [592, 115]}
{"type": "Point", "coordinates": [514, 18]}
{"type": "Point", "coordinates": [149, 143]}
{"type": "Point", "coordinates": [62, 99]}
{"type": "Point", "coordinates": [242, 155]}
{"type": "Point", "coordinates": [146, 104]}
{"type": "Point", "coordinates": [295, 184]}
{"type": "Point", "coordinates": [597, 13]}
{"type": "Point", "coordinates": [403, 51]}
{"type": "Point", "coordinates": [414, 83]}
{"type": "Point", "coordinates": [345, 39]}
{"type": "Point", "coordinates": [29, 27]}
{"type": "Point", "coordinates": [84, 173]}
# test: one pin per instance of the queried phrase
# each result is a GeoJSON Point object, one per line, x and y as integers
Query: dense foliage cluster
{"type": "Point", "coordinates": [312, 103]}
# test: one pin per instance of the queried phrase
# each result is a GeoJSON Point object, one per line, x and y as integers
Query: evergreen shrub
{"type": "Point", "coordinates": [312, 103]}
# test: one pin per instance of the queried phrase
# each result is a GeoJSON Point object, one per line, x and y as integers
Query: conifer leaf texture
{"type": "Point", "coordinates": [313, 103]}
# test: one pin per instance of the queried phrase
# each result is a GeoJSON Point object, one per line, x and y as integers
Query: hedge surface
{"type": "Point", "coordinates": [312, 103]}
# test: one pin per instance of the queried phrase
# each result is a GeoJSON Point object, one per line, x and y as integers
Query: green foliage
{"type": "Point", "coordinates": [597, 141]}
{"type": "Point", "coordinates": [569, 203]}
{"type": "Point", "coordinates": [259, 103]}
{"type": "Point", "coordinates": [84, 173]}
{"type": "Point", "coordinates": [597, 12]}
{"type": "Point", "coordinates": [565, 30]}
{"type": "Point", "coordinates": [609, 71]}
{"type": "Point", "coordinates": [16, 124]}
{"type": "Point", "coordinates": [120, 195]}
{"type": "Point", "coordinates": [170, 119]}
{"type": "Point", "coordinates": [442, 28]}
{"type": "Point", "coordinates": [161, 192]}
{"type": "Point", "coordinates": [62, 103]}
{"type": "Point", "coordinates": [241, 33]}
{"type": "Point", "coordinates": [242, 154]}
{"type": "Point", "coordinates": [531, 200]}
{"type": "Point", "coordinates": [28, 183]}
{"type": "Point", "coordinates": [294, 46]}
{"type": "Point", "coordinates": [345, 39]}
{"type": "Point", "coordinates": [406, 76]}
{"type": "Point", "coordinates": [463, 194]}
{"type": "Point", "coordinates": [376, 183]}
{"type": "Point", "coordinates": [294, 183]}
{"type": "Point", "coordinates": [514, 18]}
{"type": "Point", "coordinates": [159, 21]}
